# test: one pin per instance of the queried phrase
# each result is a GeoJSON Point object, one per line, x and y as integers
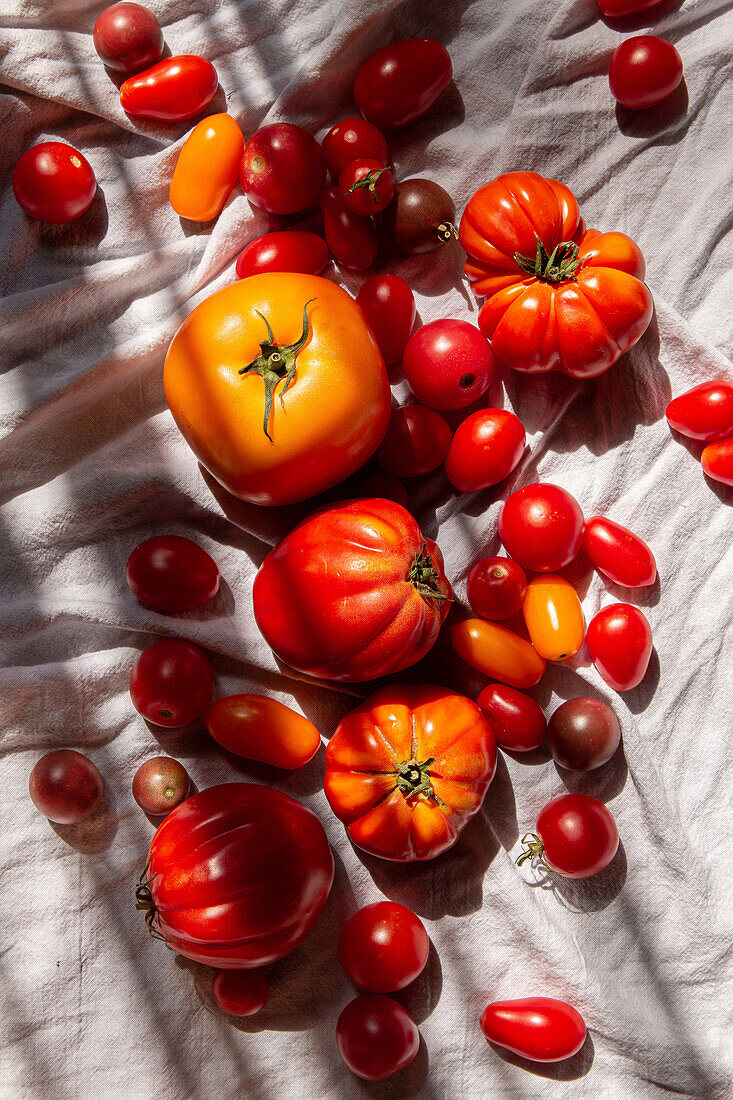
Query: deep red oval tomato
{"type": "Point", "coordinates": [366, 187]}
{"type": "Point", "coordinates": [240, 992]}
{"type": "Point", "coordinates": [576, 836]}
{"type": "Point", "coordinates": [538, 1028]}
{"type": "Point", "coordinates": [620, 644]}
{"type": "Point", "coordinates": [484, 450]}
{"type": "Point", "coordinates": [65, 786]}
{"type": "Point", "coordinates": [174, 90]}
{"type": "Point", "coordinates": [541, 526]}
{"type": "Point", "coordinates": [282, 168]}
{"type": "Point", "coordinates": [619, 553]}
{"type": "Point", "coordinates": [285, 250]}
{"type": "Point", "coordinates": [236, 876]}
{"type": "Point", "coordinates": [400, 83]}
{"type": "Point", "coordinates": [496, 588]}
{"type": "Point", "coordinates": [615, 9]}
{"type": "Point", "coordinates": [416, 442]}
{"type": "Point", "coordinates": [704, 412]}
{"type": "Point", "coordinates": [54, 182]}
{"type": "Point", "coordinates": [376, 1037]}
{"type": "Point", "coordinates": [383, 947]}
{"type": "Point", "coordinates": [171, 573]}
{"type": "Point", "coordinates": [583, 734]}
{"type": "Point", "coordinates": [128, 37]}
{"type": "Point", "coordinates": [350, 139]}
{"type": "Point", "coordinates": [389, 307]}
{"type": "Point", "coordinates": [352, 239]}
{"type": "Point", "coordinates": [644, 70]}
{"type": "Point", "coordinates": [518, 722]}
{"type": "Point", "coordinates": [171, 683]}
{"type": "Point", "coordinates": [448, 364]}
{"type": "Point", "coordinates": [717, 461]}
{"type": "Point", "coordinates": [355, 591]}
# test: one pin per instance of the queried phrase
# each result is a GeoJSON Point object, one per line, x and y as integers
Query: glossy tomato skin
{"type": "Point", "coordinates": [174, 90]}
{"type": "Point", "coordinates": [237, 875]}
{"type": "Point", "coordinates": [383, 947]}
{"type": "Point", "coordinates": [160, 784]}
{"type": "Point", "coordinates": [128, 37]}
{"type": "Point", "coordinates": [496, 588]}
{"type": "Point", "coordinates": [389, 307]}
{"type": "Point", "coordinates": [644, 70]}
{"type": "Point", "coordinates": [54, 182]}
{"type": "Point", "coordinates": [207, 168]}
{"type": "Point", "coordinates": [484, 450]}
{"type": "Point", "coordinates": [620, 644]}
{"type": "Point", "coordinates": [717, 461]}
{"type": "Point", "coordinates": [65, 786]}
{"type": "Point", "coordinates": [403, 738]}
{"type": "Point", "coordinates": [400, 83]}
{"type": "Point", "coordinates": [350, 139]}
{"type": "Point", "coordinates": [497, 652]}
{"type": "Point", "coordinates": [366, 187]}
{"type": "Point", "coordinates": [240, 992]}
{"type": "Point", "coordinates": [260, 728]}
{"type": "Point", "coordinates": [541, 1029]}
{"type": "Point", "coordinates": [420, 217]}
{"type": "Point", "coordinates": [583, 734]}
{"type": "Point", "coordinates": [376, 1037]}
{"type": "Point", "coordinates": [351, 238]}
{"type": "Point", "coordinates": [171, 683]}
{"type": "Point", "coordinates": [541, 527]}
{"type": "Point", "coordinates": [448, 364]}
{"type": "Point", "coordinates": [354, 592]}
{"type": "Point", "coordinates": [615, 9]}
{"type": "Point", "coordinates": [619, 553]}
{"type": "Point", "coordinates": [518, 722]}
{"type": "Point", "coordinates": [554, 617]}
{"type": "Point", "coordinates": [416, 442]}
{"type": "Point", "coordinates": [282, 168]}
{"type": "Point", "coordinates": [285, 250]}
{"type": "Point", "coordinates": [171, 573]}
{"type": "Point", "coordinates": [703, 412]}
{"type": "Point", "coordinates": [578, 835]}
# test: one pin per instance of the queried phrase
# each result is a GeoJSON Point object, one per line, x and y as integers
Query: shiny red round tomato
{"type": "Point", "coordinates": [65, 786]}
{"type": "Point", "coordinates": [350, 139]}
{"type": "Point", "coordinates": [389, 307]}
{"type": "Point", "coordinates": [484, 450]}
{"type": "Point", "coordinates": [128, 37]}
{"type": "Point", "coordinates": [518, 722]}
{"type": "Point", "coordinates": [541, 526]}
{"type": "Point", "coordinates": [576, 836]}
{"type": "Point", "coordinates": [366, 187]}
{"type": "Point", "coordinates": [416, 442]}
{"type": "Point", "coordinates": [383, 947]}
{"type": "Point", "coordinates": [171, 573]}
{"type": "Point", "coordinates": [704, 412]}
{"type": "Point", "coordinates": [619, 553]}
{"type": "Point", "coordinates": [54, 182]}
{"type": "Point", "coordinates": [351, 238]}
{"type": "Point", "coordinates": [619, 641]}
{"type": "Point", "coordinates": [171, 683]}
{"type": "Point", "coordinates": [400, 83]}
{"type": "Point", "coordinates": [285, 250]}
{"type": "Point", "coordinates": [541, 1029]}
{"type": "Point", "coordinates": [240, 992]}
{"type": "Point", "coordinates": [376, 1037]}
{"type": "Point", "coordinates": [717, 461]}
{"type": "Point", "coordinates": [282, 169]}
{"type": "Point", "coordinates": [644, 70]}
{"type": "Point", "coordinates": [496, 588]}
{"type": "Point", "coordinates": [448, 364]}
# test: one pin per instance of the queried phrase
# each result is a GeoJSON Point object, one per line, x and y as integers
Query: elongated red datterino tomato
{"type": "Point", "coordinates": [704, 412]}
{"type": "Point", "coordinates": [620, 644]}
{"type": "Point", "coordinates": [174, 90]}
{"type": "Point", "coordinates": [619, 553]}
{"type": "Point", "coordinates": [541, 1029]}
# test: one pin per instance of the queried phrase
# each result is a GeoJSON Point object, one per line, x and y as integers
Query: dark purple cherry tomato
{"type": "Point", "coordinates": [240, 992]}
{"type": "Point", "coordinates": [54, 182]}
{"type": "Point", "coordinates": [350, 139]}
{"type": "Point", "coordinates": [496, 588]}
{"type": "Point", "coordinates": [351, 239]}
{"type": "Point", "coordinates": [518, 722]}
{"type": "Point", "coordinates": [159, 785]}
{"type": "Point", "coordinates": [366, 187]}
{"type": "Point", "coordinates": [717, 461]}
{"type": "Point", "coordinates": [420, 217]}
{"type": "Point", "coordinates": [376, 1037]}
{"type": "Point", "coordinates": [540, 1029]}
{"type": "Point", "coordinates": [704, 412]}
{"type": "Point", "coordinates": [416, 442]}
{"type": "Point", "coordinates": [171, 683]}
{"type": "Point", "coordinates": [644, 70]}
{"type": "Point", "coordinates": [389, 307]}
{"type": "Point", "coordinates": [174, 90]}
{"type": "Point", "coordinates": [383, 947]}
{"type": "Point", "coordinates": [128, 37]}
{"type": "Point", "coordinates": [400, 83]}
{"type": "Point", "coordinates": [172, 573]}
{"type": "Point", "coordinates": [285, 250]}
{"type": "Point", "coordinates": [619, 641]}
{"type": "Point", "coordinates": [583, 734]}
{"type": "Point", "coordinates": [282, 169]}
{"type": "Point", "coordinates": [65, 786]}
{"type": "Point", "coordinates": [485, 448]}
{"type": "Point", "coordinates": [619, 553]}
{"type": "Point", "coordinates": [448, 364]}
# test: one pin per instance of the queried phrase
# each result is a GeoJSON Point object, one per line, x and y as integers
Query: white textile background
{"type": "Point", "coordinates": [92, 463]}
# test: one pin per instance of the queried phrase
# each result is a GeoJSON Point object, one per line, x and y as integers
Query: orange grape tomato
{"type": "Point", "coordinates": [207, 168]}
{"type": "Point", "coordinates": [259, 728]}
{"type": "Point", "coordinates": [554, 617]}
{"type": "Point", "coordinates": [497, 652]}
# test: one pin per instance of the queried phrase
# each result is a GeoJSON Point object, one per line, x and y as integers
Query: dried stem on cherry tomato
{"type": "Point", "coordinates": [446, 230]}
{"type": "Point", "coordinates": [534, 850]}
{"type": "Point", "coordinates": [276, 364]}
{"type": "Point", "coordinates": [368, 183]}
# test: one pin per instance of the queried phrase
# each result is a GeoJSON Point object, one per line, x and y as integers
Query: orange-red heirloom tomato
{"type": "Point", "coordinates": [355, 591]}
{"type": "Point", "coordinates": [558, 296]}
{"type": "Point", "coordinates": [497, 652]}
{"type": "Point", "coordinates": [207, 168]}
{"type": "Point", "coordinates": [260, 728]}
{"type": "Point", "coordinates": [278, 386]}
{"type": "Point", "coordinates": [408, 768]}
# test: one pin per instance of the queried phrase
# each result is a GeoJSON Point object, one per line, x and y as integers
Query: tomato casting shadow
{"type": "Point", "coordinates": [421, 997]}
{"type": "Point", "coordinates": [587, 895]}
{"type": "Point", "coordinates": [651, 121]}
{"type": "Point", "coordinates": [570, 1069]}
{"type": "Point", "coordinates": [97, 832]}
{"type": "Point", "coordinates": [603, 783]}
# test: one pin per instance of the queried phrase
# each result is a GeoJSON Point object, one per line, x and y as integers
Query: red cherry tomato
{"type": "Point", "coordinates": [240, 992]}
{"type": "Point", "coordinates": [518, 722]}
{"type": "Point", "coordinates": [576, 836]}
{"type": "Point", "coordinates": [383, 947]}
{"type": "Point", "coordinates": [366, 186]}
{"type": "Point", "coordinates": [128, 37]}
{"type": "Point", "coordinates": [389, 307]}
{"type": "Point", "coordinates": [174, 90]}
{"type": "Point", "coordinates": [376, 1037]}
{"type": "Point", "coordinates": [496, 588]}
{"type": "Point", "coordinates": [282, 169]}
{"type": "Point", "coordinates": [448, 364]}
{"type": "Point", "coordinates": [644, 70]}
{"type": "Point", "coordinates": [350, 139]}
{"type": "Point", "coordinates": [486, 447]}
{"type": "Point", "coordinates": [704, 412]}
{"type": "Point", "coordinates": [619, 553]}
{"type": "Point", "coordinates": [400, 83]}
{"type": "Point", "coordinates": [54, 182]}
{"type": "Point", "coordinates": [285, 250]}
{"type": "Point", "coordinates": [172, 573]}
{"type": "Point", "coordinates": [538, 1028]}
{"type": "Point", "coordinates": [620, 644]}
{"type": "Point", "coordinates": [351, 238]}
{"type": "Point", "coordinates": [615, 9]}
{"type": "Point", "coordinates": [717, 461]}
{"type": "Point", "coordinates": [65, 786]}
{"type": "Point", "coordinates": [171, 683]}
{"type": "Point", "coordinates": [416, 442]}
{"type": "Point", "coordinates": [541, 526]}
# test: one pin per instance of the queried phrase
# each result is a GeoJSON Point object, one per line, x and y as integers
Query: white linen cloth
{"type": "Point", "coordinates": [92, 464]}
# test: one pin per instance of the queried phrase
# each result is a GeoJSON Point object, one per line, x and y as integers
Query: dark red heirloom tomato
{"type": "Point", "coordinates": [541, 526]}
{"type": "Point", "coordinates": [496, 588]}
{"type": "Point", "coordinates": [583, 734]}
{"type": "Point", "coordinates": [717, 461]}
{"type": "Point", "coordinates": [236, 876]}
{"type": "Point", "coordinates": [383, 947]}
{"type": "Point", "coordinates": [65, 786]}
{"type": "Point", "coordinates": [517, 721]}
{"type": "Point", "coordinates": [285, 250]}
{"type": "Point", "coordinates": [619, 553]}
{"type": "Point", "coordinates": [538, 1028]}
{"type": "Point", "coordinates": [240, 992]}
{"type": "Point", "coordinates": [576, 836]}
{"type": "Point", "coordinates": [448, 364]}
{"type": "Point", "coordinates": [366, 186]}
{"type": "Point", "coordinates": [172, 573]}
{"type": "Point", "coordinates": [704, 412]}
{"type": "Point", "coordinates": [174, 90]}
{"type": "Point", "coordinates": [400, 83]}
{"type": "Point", "coordinates": [644, 70]}
{"type": "Point", "coordinates": [350, 139]}
{"type": "Point", "coordinates": [282, 169]}
{"type": "Point", "coordinates": [416, 442]}
{"type": "Point", "coordinates": [484, 450]}
{"type": "Point", "coordinates": [352, 239]}
{"type": "Point", "coordinates": [171, 683]}
{"type": "Point", "coordinates": [619, 641]}
{"type": "Point", "coordinates": [355, 591]}
{"type": "Point", "coordinates": [128, 37]}
{"type": "Point", "coordinates": [389, 307]}
{"type": "Point", "coordinates": [54, 182]}
{"type": "Point", "coordinates": [376, 1037]}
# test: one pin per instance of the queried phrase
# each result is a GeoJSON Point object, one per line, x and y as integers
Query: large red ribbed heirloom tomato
{"type": "Point", "coordinates": [236, 876]}
{"type": "Point", "coordinates": [558, 296]}
{"type": "Point", "coordinates": [408, 768]}
{"type": "Point", "coordinates": [355, 591]}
